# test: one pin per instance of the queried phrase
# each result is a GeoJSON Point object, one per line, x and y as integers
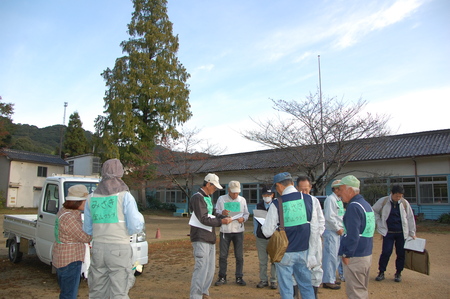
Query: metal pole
{"type": "Point", "coordinates": [62, 129]}
{"type": "Point", "coordinates": [321, 127]}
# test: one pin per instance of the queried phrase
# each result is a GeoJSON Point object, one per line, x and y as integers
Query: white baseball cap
{"type": "Point", "coordinates": [213, 179]}
{"type": "Point", "coordinates": [234, 186]}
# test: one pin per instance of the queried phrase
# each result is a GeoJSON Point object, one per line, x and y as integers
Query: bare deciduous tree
{"type": "Point", "coordinates": [319, 136]}
{"type": "Point", "coordinates": [180, 159]}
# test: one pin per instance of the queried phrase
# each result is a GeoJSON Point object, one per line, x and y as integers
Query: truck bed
{"type": "Point", "coordinates": [21, 225]}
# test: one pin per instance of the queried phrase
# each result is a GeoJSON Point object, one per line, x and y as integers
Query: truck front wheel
{"type": "Point", "coordinates": [14, 254]}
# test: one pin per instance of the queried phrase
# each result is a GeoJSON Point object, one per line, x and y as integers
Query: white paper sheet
{"type": "Point", "coordinates": [195, 222]}
{"type": "Point", "coordinates": [260, 220]}
{"type": "Point", "coordinates": [260, 213]}
{"type": "Point", "coordinates": [417, 245]}
{"type": "Point", "coordinates": [237, 216]}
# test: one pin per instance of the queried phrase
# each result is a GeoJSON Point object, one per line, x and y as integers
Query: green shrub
{"type": "Point", "coordinates": [155, 204]}
{"type": "Point", "coordinates": [444, 218]}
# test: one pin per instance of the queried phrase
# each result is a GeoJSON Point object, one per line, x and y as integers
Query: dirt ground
{"type": "Point", "coordinates": [169, 271]}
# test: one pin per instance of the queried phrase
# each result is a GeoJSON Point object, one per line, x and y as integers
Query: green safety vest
{"type": "Point", "coordinates": [369, 229]}
{"type": "Point", "coordinates": [341, 210]}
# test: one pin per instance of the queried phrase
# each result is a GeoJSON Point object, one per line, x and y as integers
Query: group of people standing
{"type": "Point", "coordinates": [111, 216]}
{"type": "Point", "coordinates": [347, 236]}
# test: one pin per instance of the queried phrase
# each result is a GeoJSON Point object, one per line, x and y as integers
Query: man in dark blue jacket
{"type": "Point", "coordinates": [357, 243]}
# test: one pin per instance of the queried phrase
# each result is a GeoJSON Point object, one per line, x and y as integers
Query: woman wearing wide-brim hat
{"type": "Point", "coordinates": [69, 247]}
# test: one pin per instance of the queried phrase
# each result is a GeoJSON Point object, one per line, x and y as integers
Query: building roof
{"type": "Point", "coordinates": [412, 145]}
{"type": "Point", "coordinates": [18, 155]}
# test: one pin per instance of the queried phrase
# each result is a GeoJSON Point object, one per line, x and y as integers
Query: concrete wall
{"type": "Point", "coordinates": [82, 165]}
{"type": "Point", "coordinates": [24, 178]}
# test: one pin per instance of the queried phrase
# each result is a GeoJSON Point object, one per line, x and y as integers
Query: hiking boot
{"type": "Point", "coordinates": [331, 286]}
{"type": "Point", "coordinates": [380, 276]}
{"type": "Point", "coordinates": [240, 281]}
{"type": "Point", "coordinates": [221, 281]}
{"type": "Point", "coordinates": [273, 285]}
{"type": "Point", "coordinates": [262, 284]}
{"type": "Point", "coordinates": [398, 277]}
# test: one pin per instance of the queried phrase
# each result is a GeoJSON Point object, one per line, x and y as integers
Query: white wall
{"type": "Point", "coordinates": [24, 174]}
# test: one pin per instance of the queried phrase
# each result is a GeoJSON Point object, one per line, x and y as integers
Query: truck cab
{"type": "Point", "coordinates": [35, 233]}
{"type": "Point", "coordinates": [54, 192]}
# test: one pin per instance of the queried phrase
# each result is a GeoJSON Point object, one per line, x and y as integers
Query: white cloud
{"type": "Point", "coordinates": [416, 111]}
{"type": "Point", "coordinates": [207, 67]}
{"type": "Point", "coordinates": [337, 26]}
{"type": "Point", "coordinates": [362, 23]}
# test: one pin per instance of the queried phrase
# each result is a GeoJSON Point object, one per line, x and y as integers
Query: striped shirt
{"type": "Point", "coordinates": [72, 238]}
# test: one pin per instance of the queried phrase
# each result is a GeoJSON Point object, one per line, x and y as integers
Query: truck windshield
{"type": "Point", "coordinates": [91, 186]}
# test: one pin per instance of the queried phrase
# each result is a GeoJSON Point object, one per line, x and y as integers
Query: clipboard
{"type": "Point", "coordinates": [417, 244]}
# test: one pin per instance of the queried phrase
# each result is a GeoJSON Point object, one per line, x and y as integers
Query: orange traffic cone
{"type": "Point", "coordinates": [158, 234]}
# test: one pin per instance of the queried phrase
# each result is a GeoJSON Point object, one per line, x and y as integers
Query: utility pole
{"type": "Point", "coordinates": [62, 129]}
{"type": "Point", "coordinates": [321, 127]}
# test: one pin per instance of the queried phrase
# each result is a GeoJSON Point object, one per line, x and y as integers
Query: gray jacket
{"type": "Point", "coordinates": [382, 209]}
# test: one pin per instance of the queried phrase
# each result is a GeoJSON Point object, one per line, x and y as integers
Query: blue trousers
{"type": "Point", "coordinates": [330, 260]}
{"type": "Point", "coordinates": [69, 280]}
{"type": "Point", "coordinates": [294, 263]}
{"type": "Point", "coordinates": [238, 243]}
{"type": "Point", "coordinates": [388, 245]}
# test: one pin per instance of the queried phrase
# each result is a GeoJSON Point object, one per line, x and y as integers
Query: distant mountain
{"type": "Point", "coordinates": [41, 140]}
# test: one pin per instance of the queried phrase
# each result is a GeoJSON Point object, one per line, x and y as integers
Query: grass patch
{"type": "Point", "coordinates": [432, 226]}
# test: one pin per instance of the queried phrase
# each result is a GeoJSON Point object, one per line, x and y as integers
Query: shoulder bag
{"type": "Point", "coordinates": [278, 242]}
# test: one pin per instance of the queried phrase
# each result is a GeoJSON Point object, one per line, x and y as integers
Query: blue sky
{"type": "Point", "coordinates": [240, 54]}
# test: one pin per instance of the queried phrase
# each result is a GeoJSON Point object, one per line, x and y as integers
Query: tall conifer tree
{"type": "Point", "coordinates": [75, 141]}
{"type": "Point", "coordinates": [147, 95]}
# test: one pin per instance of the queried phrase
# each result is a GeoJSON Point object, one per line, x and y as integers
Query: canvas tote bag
{"type": "Point", "coordinates": [417, 261]}
{"type": "Point", "coordinates": [278, 243]}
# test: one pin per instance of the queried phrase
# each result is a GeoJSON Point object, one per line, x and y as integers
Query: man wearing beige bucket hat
{"type": "Point", "coordinates": [69, 249]}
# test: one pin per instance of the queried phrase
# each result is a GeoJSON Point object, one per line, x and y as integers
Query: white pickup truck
{"type": "Point", "coordinates": [34, 234]}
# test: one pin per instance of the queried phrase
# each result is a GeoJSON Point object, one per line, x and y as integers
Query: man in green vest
{"type": "Point", "coordinates": [203, 236]}
{"type": "Point", "coordinates": [357, 243]}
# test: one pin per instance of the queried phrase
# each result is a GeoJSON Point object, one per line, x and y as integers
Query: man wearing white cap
{"type": "Point", "coordinates": [235, 206]}
{"type": "Point", "coordinates": [334, 229]}
{"type": "Point", "coordinates": [203, 236]}
{"type": "Point", "coordinates": [357, 243]}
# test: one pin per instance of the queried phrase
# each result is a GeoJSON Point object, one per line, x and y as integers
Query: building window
{"type": "Point", "coordinates": [433, 190]}
{"type": "Point", "coordinates": [96, 165]}
{"type": "Point", "coordinates": [169, 196]}
{"type": "Point", "coordinates": [250, 193]}
{"type": "Point", "coordinates": [409, 183]}
{"type": "Point", "coordinates": [70, 167]}
{"type": "Point", "coordinates": [42, 171]}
